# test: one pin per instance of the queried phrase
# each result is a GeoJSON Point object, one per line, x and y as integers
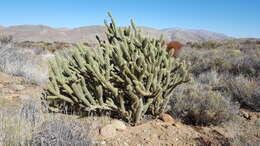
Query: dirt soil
{"type": "Point", "coordinates": [245, 130]}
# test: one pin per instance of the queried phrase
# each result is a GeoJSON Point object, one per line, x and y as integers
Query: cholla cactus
{"type": "Point", "coordinates": [131, 74]}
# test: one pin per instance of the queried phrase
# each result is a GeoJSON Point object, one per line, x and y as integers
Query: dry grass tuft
{"type": "Point", "coordinates": [29, 63]}
{"type": "Point", "coordinates": [30, 125]}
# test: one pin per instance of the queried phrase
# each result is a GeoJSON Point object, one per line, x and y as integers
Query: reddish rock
{"type": "Point", "coordinates": [174, 48]}
{"type": "Point", "coordinates": [167, 118]}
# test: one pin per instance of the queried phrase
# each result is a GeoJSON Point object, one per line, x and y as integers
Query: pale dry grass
{"type": "Point", "coordinates": [29, 125]}
{"type": "Point", "coordinates": [29, 63]}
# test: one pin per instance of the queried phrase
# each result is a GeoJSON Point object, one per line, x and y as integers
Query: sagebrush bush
{"type": "Point", "coordinates": [26, 62]}
{"type": "Point", "coordinates": [18, 123]}
{"type": "Point", "coordinates": [223, 60]}
{"type": "Point", "coordinates": [205, 45]}
{"type": "Point", "coordinates": [47, 46]}
{"type": "Point", "coordinates": [61, 132]}
{"type": "Point", "coordinates": [13, 130]}
{"type": "Point", "coordinates": [5, 39]}
{"type": "Point", "coordinates": [131, 74]}
{"type": "Point", "coordinates": [211, 78]}
{"type": "Point", "coordinates": [28, 124]}
{"type": "Point", "coordinates": [244, 90]}
{"type": "Point", "coordinates": [198, 104]}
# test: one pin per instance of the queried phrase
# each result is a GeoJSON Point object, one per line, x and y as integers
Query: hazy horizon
{"type": "Point", "coordinates": [235, 19]}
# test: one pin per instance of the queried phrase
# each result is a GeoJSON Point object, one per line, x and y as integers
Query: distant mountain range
{"type": "Point", "coordinates": [88, 33]}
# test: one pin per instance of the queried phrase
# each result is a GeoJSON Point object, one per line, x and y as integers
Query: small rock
{"type": "Point", "coordinates": [244, 114]}
{"type": "Point", "coordinates": [253, 117]}
{"type": "Point", "coordinates": [119, 125]}
{"type": "Point", "coordinates": [125, 144]}
{"type": "Point", "coordinates": [167, 118]}
{"type": "Point", "coordinates": [103, 142]}
{"type": "Point", "coordinates": [17, 87]}
{"type": "Point", "coordinates": [108, 131]}
{"type": "Point", "coordinates": [1, 85]}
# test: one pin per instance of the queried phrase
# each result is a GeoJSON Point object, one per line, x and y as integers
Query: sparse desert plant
{"type": "Point", "coordinates": [27, 62]}
{"type": "Point", "coordinates": [32, 111]}
{"type": "Point", "coordinates": [18, 123]}
{"type": "Point", "coordinates": [248, 44]}
{"type": "Point", "coordinates": [205, 45]}
{"type": "Point", "coordinates": [211, 78]}
{"type": "Point", "coordinates": [13, 130]}
{"type": "Point", "coordinates": [47, 46]}
{"type": "Point", "coordinates": [5, 39]}
{"type": "Point", "coordinates": [231, 44]}
{"type": "Point", "coordinates": [223, 60]}
{"type": "Point", "coordinates": [28, 124]}
{"type": "Point", "coordinates": [245, 91]}
{"type": "Point", "coordinates": [248, 65]}
{"type": "Point", "coordinates": [131, 75]}
{"type": "Point", "coordinates": [61, 132]}
{"type": "Point", "coordinates": [198, 104]}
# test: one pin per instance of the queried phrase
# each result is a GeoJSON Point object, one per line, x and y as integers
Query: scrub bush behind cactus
{"type": "Point", "coordinates": [131, 74]}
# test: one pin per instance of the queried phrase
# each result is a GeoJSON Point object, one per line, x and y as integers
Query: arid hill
{"type": "Point", "coordinates": [88, 33]}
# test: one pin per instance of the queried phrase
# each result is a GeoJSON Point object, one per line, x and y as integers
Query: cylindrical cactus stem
{"type": "Point", "coordinates": [100, 95]}
{"type": "Point", "coordinates": [79, 93]}
{"type": "Point", "coordinates": [138, 113]}
{"type": "Point", "coordinates": [131, 74]}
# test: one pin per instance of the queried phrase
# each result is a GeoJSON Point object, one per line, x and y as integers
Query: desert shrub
{"type": "Point", "coordinates": [248, 44]}
{"type": "Point", "coordinates": [223, 60]}
{"type": "Point", "coordinates": [27, 62]}
{"type": "Point", "coordinates": [5, 39]}
{"type": "Point", "coordinates": [205, 44]}
{"type": "Point", "coordinates": [209, 78]}
{"type": "Point", "coordinates": [32, 111]}
{"type": "Point", "coordinates": [28, 124]}
{"type": "Point", "coordinates": [231, 44]}
{"type": "Point", "coordinates": [198, 104]}
{"type": "Point", "coordinates": [47, 46]}
{"type": "Point", "coordinates": [204, 60]}
{"type": "Point", "coordinates": [18, 123]}
{"type": "Point", "coordinates": [258, 41]}
{"type": "Point", "coordinates": [245, 91]}
{"type": "Point", "coordinates": [248, 65]}
{"type": "Point", "coordinates": [61, 132]}
{"type": "Point", "coordinates": [14, 131]}
{"type": "Point", "coordinates": [131, 75]}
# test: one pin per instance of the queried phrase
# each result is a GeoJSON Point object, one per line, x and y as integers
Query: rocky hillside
{"type": "Point", "coordinates": [87, 34]}
{"type": "Point", "coordinates": [185, 35]}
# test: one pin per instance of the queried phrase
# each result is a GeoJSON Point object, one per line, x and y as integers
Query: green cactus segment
{"type": "Point", "coordinates": [131, 74]}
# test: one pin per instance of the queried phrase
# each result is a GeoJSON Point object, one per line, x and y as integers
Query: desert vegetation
{"type": "Point", "coordinates": [132, 75]}
{"type": "Point", "coordinates": [48, 46]}
{"type": "Point", "coordinates": [134, 78]}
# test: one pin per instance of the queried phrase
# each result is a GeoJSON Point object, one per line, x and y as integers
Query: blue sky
{"type": "Point", "coordinates": [237, 18]}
